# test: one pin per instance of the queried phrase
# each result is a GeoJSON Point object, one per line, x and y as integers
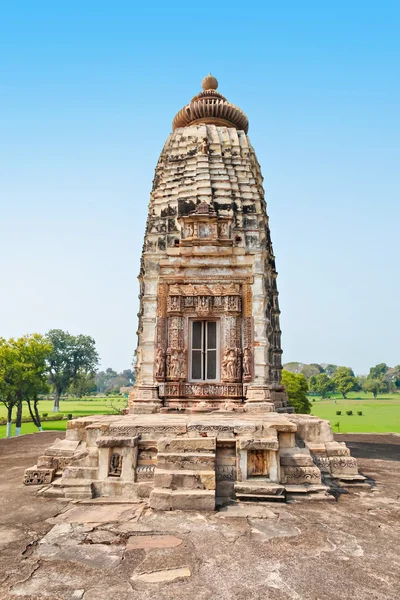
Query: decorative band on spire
{"type": "Point", "coordinates": [211, 107]}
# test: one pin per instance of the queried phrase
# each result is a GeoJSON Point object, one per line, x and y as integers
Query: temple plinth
{"type": "Point", "coordinates": [209, 421]}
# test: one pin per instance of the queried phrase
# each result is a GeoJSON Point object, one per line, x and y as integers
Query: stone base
{"type": "Point", "coordinates": [191, 461]}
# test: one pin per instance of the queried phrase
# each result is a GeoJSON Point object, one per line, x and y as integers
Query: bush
{"type": "Point", "coordinates": [313, 399]}
{"type": "Point", "coordinates": [69, 416]}
{"type": "Point", "coordinates": [3, 421]}
{"type": "Point", "coordinates": [44, 415]}
{"type": "Point", "coordinates": [359, 412]}
{"type": "Point", "coordinates": [349, 412]}
{"type": "Point", "coordinates": [338, 412]}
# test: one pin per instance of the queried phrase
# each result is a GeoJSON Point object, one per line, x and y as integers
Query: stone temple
{"type": "Point", "coordinates": [209, 422]}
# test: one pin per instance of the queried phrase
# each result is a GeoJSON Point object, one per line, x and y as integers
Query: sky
{"type": "Point", "coordinates": [88, 91]}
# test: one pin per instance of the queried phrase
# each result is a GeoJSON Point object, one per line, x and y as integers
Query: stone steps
{"type": "Point", "coordinates": [188, 479]}
{"type": "Point", "coordinates": [184, 477]}
{"type": "Point", "coordinates": [166, 499]}
{"type": "Point", "coordinates": [80, 472]}
{"type": "Point", "coordinates": [74, 488]}
{"type": "Point", "coordinates": [259, 490]}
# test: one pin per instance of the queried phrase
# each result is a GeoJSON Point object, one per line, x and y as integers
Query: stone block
{"type": "Point", "coordinates": [287, 440]}
{"type": "Point", "coordinates": [262, 443]}
{"type": "Point", "coordinates": [162, 499]}
{"type": "Point", "coordinates": [337, 449]}
{"type": "Point", "coordinates": [46, 462]}
{"type": "Point", "coordinates": [296, 457]}
{"type": "Point", "coordinates": [63, 448]}
{"type": "Point", "coordinates": [38, 476]}
{"type": "Point", "coordinates": [343, 465]}
{"type": "Point", "coordinates": [300, 475]}
{"type": "Point", "coordinates": [199, 444]}
{"type": "Point", "coordinates": [184, 479]}
{"type": "Point", "coordinates": [198, 461]}
{"type": "Point", "coordinates": [114, 442]}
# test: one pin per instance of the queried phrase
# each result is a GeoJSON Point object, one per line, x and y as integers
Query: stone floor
{"type": "Point", "coordinates": [306, 551]}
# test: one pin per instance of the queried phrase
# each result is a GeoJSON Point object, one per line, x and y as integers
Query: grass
{"type": "Point", "coordinates": [380, 414]}
{"type": "Point", "coordinates": [77, 407]}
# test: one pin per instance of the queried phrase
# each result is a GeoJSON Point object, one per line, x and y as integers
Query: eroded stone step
{"type": "Point", "coordinates": [163, 499]}
{"type": "Point", "coordinates": [184, 479]}
{"type": "Point", "coordinates": [259, 489]}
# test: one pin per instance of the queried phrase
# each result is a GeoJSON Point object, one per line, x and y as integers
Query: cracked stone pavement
{"type": "Point", "coordinates": [302, 551]}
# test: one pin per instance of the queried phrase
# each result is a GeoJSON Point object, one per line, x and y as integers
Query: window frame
{"type": "Point", "coordinates": [204, 351]}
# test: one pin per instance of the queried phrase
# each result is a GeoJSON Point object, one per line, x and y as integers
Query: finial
{"type": "Point", "coordinates": [209, 83]}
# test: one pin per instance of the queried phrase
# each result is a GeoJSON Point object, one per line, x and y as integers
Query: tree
{"type": "Point", "coordinates": [310, 370]}
{"type": "Point", "coordinates": [375, 386]}
{"type": "Point", "coordinates": [330, 369]}
{"type": "Point", "coordinates": [296, 388]}
{"type": "Point", "coordinates": [378, 372]}
{"type": "Point", "coordinates": [392, 377]}
{"type": "Point", "coordinates": [23, 375]}
{"type": "Point", "coordinates": [71, 357]}
{"type": "Point", "coordinates": [345, 381]}
{"type": "Point", "coordinates": [83, 384]}
{"type": "Point", "coordinates": [294, 367]}
{"type": "Point", "coordinates": [324, 384]}
{"type": "Point", "coordinates": [312, 384]}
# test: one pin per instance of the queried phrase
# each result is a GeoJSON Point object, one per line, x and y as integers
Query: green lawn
{"type": "Point", "coordinates": [78, 408]}
{"type": "Point", "coordinates": [379, 415]}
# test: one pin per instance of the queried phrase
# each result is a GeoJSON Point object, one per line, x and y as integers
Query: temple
{"type": "Point", "coordinates": [209, 421]}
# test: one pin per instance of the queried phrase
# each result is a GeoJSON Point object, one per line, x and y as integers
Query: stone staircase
{"type": "Point", "coordinates": [185, 474]}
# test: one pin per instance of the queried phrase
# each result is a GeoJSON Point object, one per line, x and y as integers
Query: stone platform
{"type": "Point", "coordinates": [195, 462]}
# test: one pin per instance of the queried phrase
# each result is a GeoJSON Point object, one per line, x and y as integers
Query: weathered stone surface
{"type": "Point", "coordinates": [262, 443]}
{"type": "Point", "coordinates": [300, 457]}
{"type": "Point", "coordinates": [184, 479]}
{"type": "Point", "coordinates": [298, 475]}
{"type": "Point", "coordinates": [138, 542]}
{"type": "Point", "coordinates": [164, 499]}
{"type": "Point", "coordinates": [162, 576]}
{"type": "Point", "coordinates": [178, 445]}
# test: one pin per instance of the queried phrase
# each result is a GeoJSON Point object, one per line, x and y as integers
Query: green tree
{"type": "Point", "coordinates": [345, 381]}
{"type": "Point", "coordinates": [375, 386]}
{"type": "Point", "coordinates": [83, 384]}
{"type": "Point", "coordinates": [23, 375]}
{"type": "Point", "coordinates": [330, 369]}
{"type": "Point", "coordinates": [293, 367]}
{"type": "Point", "coordinates": [310, 370]}
{"type": "Point", "coordinates": [296, 388]}
{"type": "Point", "coordinates": [71, 357]}
{"type": "Point", "coordinates": [378, 372]}
{"type": "Point", "coordinates": [324, 384]}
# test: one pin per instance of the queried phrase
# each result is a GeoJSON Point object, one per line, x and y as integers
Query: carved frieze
{"type": "Point", "coordinates": [145, 472]}
{"type": "Point", "coordinates": [115, 465]}
{"type": "Point", "coordinates": [200, 390]}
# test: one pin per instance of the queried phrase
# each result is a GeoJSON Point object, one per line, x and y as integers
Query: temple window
{"type": "Point", "coordinates": [204, 345]}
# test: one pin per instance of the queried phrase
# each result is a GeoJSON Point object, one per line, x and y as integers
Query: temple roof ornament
{"type": "Point", "coordinates": [211, 107]}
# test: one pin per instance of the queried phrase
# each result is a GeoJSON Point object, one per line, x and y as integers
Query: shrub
{"type": "Point", "coordinates": [338, 412]}
{"type": "Point", "coordinates": [69, 416]}
{"type": "Point", "coordinates": [313, 399]}
{"type": "Point", "coordinates": [44, 415]}
{"type": "Point", "coordinates": [359, 412]}
{"type": "Point", "coordinates": [349, 412]}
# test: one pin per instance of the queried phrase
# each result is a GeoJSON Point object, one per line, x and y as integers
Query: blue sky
{"type": "Point", "coordinates": [87, 95]}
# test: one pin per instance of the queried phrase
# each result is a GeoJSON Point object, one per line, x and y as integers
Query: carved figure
{"type": "Point", "coordinates": [247, 362]}
{"type": "Point", "coordinates": [204, 146]}
{"type": "Point", "coordinates": [229, 364]}
{"type": "Point", "coordinates": [189, 230]}
{"type": "Point", "coordinates": [160, 363]}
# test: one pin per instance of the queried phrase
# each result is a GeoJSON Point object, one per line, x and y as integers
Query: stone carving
{"type": "Point", "coordinates": [247, 363]}
{"type": "Point", "coordinates": [115, 465]}
{"type": "Point", "coordinates": [229, 365]}
{"type": "Point", "coordinates": [201, 390]}
{"type": "Point", "coordinates": [160, 364]}
{"type": "Point", "coordinates": [204, 146]}
{"type": "Point", "coordinates": [175, 363]}
{"type": "Point", "coordinates": [145, 472]}
{"type": "Point", "coordinates": [38, 476]}
{"type": "Point", "coordinates": [225, 473]}
{"type": "Point", "coordinates": [223, 229]}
